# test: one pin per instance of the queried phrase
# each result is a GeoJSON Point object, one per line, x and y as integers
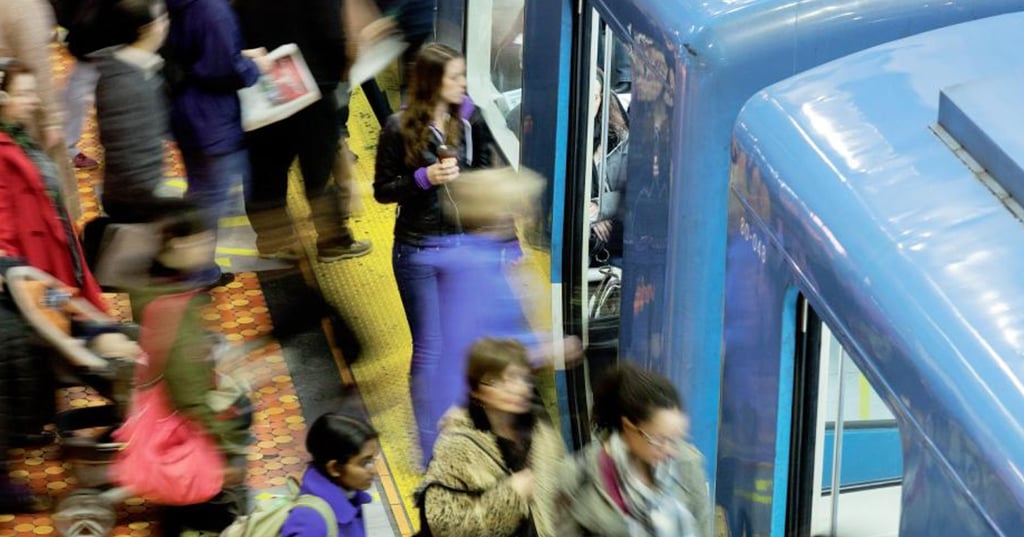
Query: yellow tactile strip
{"type": "Point", "coordinates": [364, 292]}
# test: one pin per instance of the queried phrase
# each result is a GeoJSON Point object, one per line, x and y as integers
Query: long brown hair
{"type": "Point", "coordinates": [427, 75]}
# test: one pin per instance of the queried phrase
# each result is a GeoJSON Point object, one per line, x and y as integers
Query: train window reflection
{"type": "Point", "coordinates": [857, 452]}
{"type": "Point", "coordinates": [494, 70]}
{"type": "Point", "coordinates": [602, 184]}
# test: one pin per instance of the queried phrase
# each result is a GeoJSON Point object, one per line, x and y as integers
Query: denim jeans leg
{"type": "Point", "coordinates": [210, 180]}
{"type": "Point", "coordinates": [417, 285]}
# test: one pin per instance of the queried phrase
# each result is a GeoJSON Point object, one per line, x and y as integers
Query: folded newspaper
{"type": "Point", "coordinates": [279, 94]}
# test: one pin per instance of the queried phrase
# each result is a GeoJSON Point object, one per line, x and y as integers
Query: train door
{"type": "Point", "coordinates": [595, 196]}
{"type": "Point", "coordinates": [844, 438]}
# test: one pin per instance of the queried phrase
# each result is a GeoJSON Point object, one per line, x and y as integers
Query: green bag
{"type": "Point", "coordinates": [271, 513]}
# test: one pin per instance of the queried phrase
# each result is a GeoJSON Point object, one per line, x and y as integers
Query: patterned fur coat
{"type": "Point", "coordinates": [466, 458]}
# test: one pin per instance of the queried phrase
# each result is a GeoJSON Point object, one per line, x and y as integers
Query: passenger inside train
{"type": "Point", "coordinates": [606, 298]}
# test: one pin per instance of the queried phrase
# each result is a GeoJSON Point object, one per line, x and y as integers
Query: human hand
{"type": "Point", "coordinates": [522, 482]}
{"type": "Point", "coordinates": [259, 57]}
{"type": "Point", "coordinates": [442, 172]}
{"type": "Point", "coordinates": [602, 229]}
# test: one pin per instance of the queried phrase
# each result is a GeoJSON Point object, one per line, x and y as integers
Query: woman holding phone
{"type": "Point", "coordinates": [422, 149]}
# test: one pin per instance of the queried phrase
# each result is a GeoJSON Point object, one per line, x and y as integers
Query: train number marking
{"type": "Point", "coordinates": [756, 242]}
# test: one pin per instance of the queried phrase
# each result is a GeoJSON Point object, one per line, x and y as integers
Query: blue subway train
{"type": "Point", "coordinates": [549, 76]}
{"type": "Point", "coordinates": [693, 65]}
{"type": "Point", "coordinates": [872, 380]}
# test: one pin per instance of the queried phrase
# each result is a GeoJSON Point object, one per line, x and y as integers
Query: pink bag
{"type": "Point", "coordinates": [168, 458]}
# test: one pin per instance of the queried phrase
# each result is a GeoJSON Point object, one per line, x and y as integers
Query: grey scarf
{"type": "Point", "coordinates": [654, 512]}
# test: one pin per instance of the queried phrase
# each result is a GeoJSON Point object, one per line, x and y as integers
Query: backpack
{"type": "Point", "coordinates": [271, 513]}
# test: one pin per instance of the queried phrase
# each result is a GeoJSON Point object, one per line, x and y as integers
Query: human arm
{"type": "Point", "coordinates": [483, 141]}
{"type": "Point", "coordinates": [464, 506]}
{"type": "Point", "coordinates": [393, 180]}
{"type": "Point", "coordinates": [221, 66]}
{"type": "Point", "coordinates": [695, 485]}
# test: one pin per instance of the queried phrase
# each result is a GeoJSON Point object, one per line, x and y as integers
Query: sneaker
{"type": "Point", "coordinates": [83, 162]}
{"type": "Point", "coordinates": [336, 253]}
{"type": "Point", "coordinates": [288, 255]}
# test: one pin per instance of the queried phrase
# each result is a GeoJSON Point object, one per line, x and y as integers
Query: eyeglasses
{"type": "Point", "coordinates": [672, 444]}
{"type": "Point", "coordinates": [506, 381]}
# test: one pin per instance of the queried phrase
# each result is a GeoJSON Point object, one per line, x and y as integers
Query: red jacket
{"type": "Point", "coordinates": [30, 227]}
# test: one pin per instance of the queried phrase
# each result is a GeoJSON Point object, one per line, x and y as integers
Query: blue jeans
{"type": "Point", "coordinates": [210, 179]}
{"type": "Point", "coordinates": [418, 286]}
{"type": "Point", "coordinates": [468, 272]}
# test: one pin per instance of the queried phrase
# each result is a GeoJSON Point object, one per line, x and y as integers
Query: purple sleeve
{"type": "Point", "coordinates": [304, 522]}
{"type": "Point", "coordinates": [421, 179]}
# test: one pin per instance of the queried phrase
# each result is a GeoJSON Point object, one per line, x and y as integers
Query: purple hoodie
{"type": "Point", "coordinates": [306, 522]}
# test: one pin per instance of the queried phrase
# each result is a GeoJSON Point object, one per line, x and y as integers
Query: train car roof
{"type": "Point", "coordinates": [883, 221]}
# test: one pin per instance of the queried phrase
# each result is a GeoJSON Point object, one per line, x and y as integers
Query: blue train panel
{"type": "Point", "coordinates": [846, 191]}
{"type": "Point", "coordinates": [694, 64]}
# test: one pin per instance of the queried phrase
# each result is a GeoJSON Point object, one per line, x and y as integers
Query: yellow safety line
{"type": "Point", "coordinates": [234, 221]}
{"type": "Point", "coordinates": [231, 250]}
{"type": "Point", "coordinates": [865, 398]}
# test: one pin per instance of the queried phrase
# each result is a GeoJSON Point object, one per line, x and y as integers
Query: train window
{"type": "Point", "coordinates": [857, 451]}
{"type": "Point", "coordinates": [601, 182]}
{"type": "Point", "coordinates": [494, 67]}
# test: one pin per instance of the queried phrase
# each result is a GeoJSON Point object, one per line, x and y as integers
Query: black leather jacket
{"type": "Point", "coordinates": [419, 210]}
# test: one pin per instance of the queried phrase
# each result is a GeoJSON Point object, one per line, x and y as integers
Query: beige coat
{"type": "Point", "coordinates": [469, 459]}
{"type": "Point", "coordinates": [590, 511]}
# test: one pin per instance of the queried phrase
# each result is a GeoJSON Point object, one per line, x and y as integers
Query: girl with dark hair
{"type": "Point", "coordinates": [493, 471]}
{"type": "Point", "coordinates": [342, 470]}
{"type": "Point", "coordinates": [640, 476]}
{"type": "Point", "coordinates": [421, 150]}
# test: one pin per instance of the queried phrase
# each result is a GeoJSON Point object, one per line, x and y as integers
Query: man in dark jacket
{"type": "Point", "coordinates": [204, 49]}
{"type": "Point", "coordinates": [311, 134]}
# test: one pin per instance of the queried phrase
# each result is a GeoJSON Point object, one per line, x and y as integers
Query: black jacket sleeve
{"type": "Point", "coordinates": [483, 141]}
{"type": "Point", "coordinates": [393, 180]}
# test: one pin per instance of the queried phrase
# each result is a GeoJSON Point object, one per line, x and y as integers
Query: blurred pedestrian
{"type": "Point", "coordinates": [343, 450]}
{"type": "Point", "coordinates": [310, 135]}
{"type": "Point", "coordinates": [34, 223]}
{"type": "Point", "coordinates": [83, 21]}
{"type": "Point", "coordinates": [27, 29]}
{"type": "Point", "coordinates": [204, 53]}
{"type": "Point", "coordinates": [639, 476]}
{"type": "Point", "coordinates": [132, 111]}
{"type": "Point", "coordinates": [494, 468]}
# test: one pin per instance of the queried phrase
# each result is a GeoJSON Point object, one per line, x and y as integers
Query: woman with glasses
{"type": "Point", "coordinates": [495, 462]}
{"type": "Point", "coordinates": [640, 476]}
{"type": "Point", "coordinates": [342, 470]}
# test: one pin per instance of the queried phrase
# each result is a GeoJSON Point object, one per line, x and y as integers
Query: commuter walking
{"type": "Point", "coordinates": [206, 67]}
{"type": "Point", "coordinates": [132, 112]}
{"type": "Point", "coordinates": [495, 465]}
{"type": "Point", "coordinates": [83, 20]}
{"type": "Point", "coordinates": [639, 476]}
{"type": "Point", "coordinates": [27, 28]}
{"type": "Point", "coordinates": [411, 173]}
{"type": "Point", "coordinates": [311, 135]}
